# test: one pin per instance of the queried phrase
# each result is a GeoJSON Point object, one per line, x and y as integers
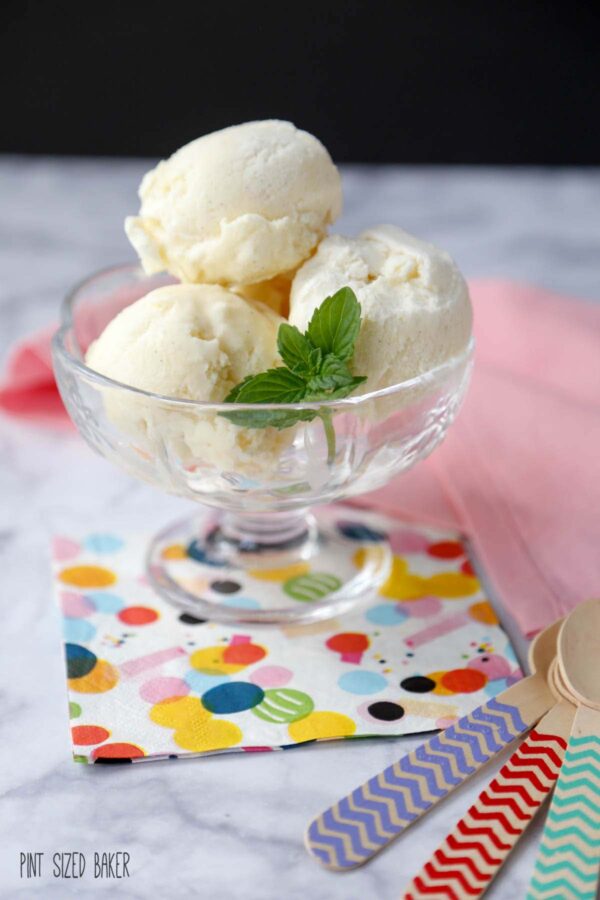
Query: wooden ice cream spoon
{"type": "Point", "coordinates": [579, 653]}
{"type": "Point", "coordinates": [557, 684]}
{"type": "Point", "coordinates": [568, 859]}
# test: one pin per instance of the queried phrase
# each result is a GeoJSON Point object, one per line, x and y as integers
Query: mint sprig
{"type": "Point", "coordinates": [317, 368]}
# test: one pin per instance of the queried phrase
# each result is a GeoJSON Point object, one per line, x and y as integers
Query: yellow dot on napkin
{"type": "Point", "coordinates": [321, 725]}
{"type": "Point", "coordinates": [87, 577]}
{"type": "Point", "coordinates": [179, 712]}
{"type": "Point", "coordinates": [102, 678]}
{"type": "Point", "coordinates": [483, 612]}
{"type": "Point", "coordinates": [282, 574]}
{"type": "Point", "coordinates": [450, 584]}
{"type": "Point", "coordinates": [209, 660]}
{"type": "Point", "coordinates": [404, 585]}
{"type": "Point", "coordinates": [215, 734]}
{"type": "Point", "coordinates": [174, 551]}
{"type": "Point", "coordinates": [439, 687]}
{"type": "Point", "coordinates": [195, 728]}
{"type": "Point", "coordinates": [401, 585]}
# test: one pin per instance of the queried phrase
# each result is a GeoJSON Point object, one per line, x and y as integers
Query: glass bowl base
{"type": "Point", "coordinates": [298, 570]}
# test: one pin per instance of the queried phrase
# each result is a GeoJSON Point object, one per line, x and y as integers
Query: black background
{"type": "Point", "coordinates": [419, 82]}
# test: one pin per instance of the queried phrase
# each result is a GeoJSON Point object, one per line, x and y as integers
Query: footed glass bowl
{"type": "Point", "coordinates": [259, 483]}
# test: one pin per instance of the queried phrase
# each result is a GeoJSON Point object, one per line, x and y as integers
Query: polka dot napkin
{"type": "Point", "coordinates": [146, 681]}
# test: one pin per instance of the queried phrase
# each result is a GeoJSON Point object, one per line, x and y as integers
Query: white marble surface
{"type": "Point", "coordinates": [227, 827]}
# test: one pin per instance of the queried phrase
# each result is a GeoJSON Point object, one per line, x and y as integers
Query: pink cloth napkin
{"type": "Point", "coordinates": [519, 473]}
{"type": "Point", "coordinates": [28, 389]}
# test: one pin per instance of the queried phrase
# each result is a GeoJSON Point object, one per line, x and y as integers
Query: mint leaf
{"type": "Point", "coordinates": [234, 392]}
{"type": "Point", "coordinates": [338, 393]}
{"type": "Point", "coordinates": [315, 359]}
{"type": "Point", "coordinates": [335, 324]}
{"type": "Point", "coordinates": [273, 386]}
{"type": "Point", "coordinates": [296, 350]}
{"type": "Point", "coordinates": [333, 373]}
{"type": "Point", "coordinates": [269, 418]}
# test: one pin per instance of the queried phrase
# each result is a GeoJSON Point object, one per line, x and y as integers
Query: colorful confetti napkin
{"type": "Point", "coordinates": [146, 681]}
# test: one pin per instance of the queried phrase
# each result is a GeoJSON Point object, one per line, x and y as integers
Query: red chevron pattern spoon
{"type": "Point", "coordinates": [465, 863]}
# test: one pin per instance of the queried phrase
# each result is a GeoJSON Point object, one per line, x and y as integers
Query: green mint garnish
{"type": "Point", "coordinates": [317, 367]}
{"type": "Point", "coordinates": [335, 324]}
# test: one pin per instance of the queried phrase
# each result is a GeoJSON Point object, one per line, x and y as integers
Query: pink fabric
{"type": "Point", "coordinates": [519, 473]}
{"type": "Point", "coordinates": [28, 389]}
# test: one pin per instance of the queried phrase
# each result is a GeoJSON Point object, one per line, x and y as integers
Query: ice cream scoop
{"type": "Point", "coordinates": [190, 342]}
{"type": "Point", "coordinates": [416, 311]}
{"type": "Point", "coordinates": [237, 206]}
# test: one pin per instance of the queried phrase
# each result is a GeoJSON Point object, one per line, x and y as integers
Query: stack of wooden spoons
{"type": "Point", "coordinates": [561, 754]}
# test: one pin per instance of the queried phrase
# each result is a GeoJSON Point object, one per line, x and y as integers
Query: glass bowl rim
{"type": "Point", "coordinates": [347, 404]}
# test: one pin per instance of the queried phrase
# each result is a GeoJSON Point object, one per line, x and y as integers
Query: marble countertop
{"type": "Point", "coordinates": [226, 827]}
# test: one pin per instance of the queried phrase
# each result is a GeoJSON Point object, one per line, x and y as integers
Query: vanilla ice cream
{"type": "Point", "coordinates": [191, 342]}
{"type": "Point", "coordinates": [416, 312]}
{"type": "Point", "coordinates": [237, 206]}
{"type": "Point", "coordinates": [275, 292]}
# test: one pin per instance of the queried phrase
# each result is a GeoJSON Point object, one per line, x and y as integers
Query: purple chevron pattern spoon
{"type": "Point", "coordinates": [359, 825]}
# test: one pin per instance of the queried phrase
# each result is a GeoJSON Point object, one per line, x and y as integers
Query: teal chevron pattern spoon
{"type": "Point", "coordinates": [568, 861]}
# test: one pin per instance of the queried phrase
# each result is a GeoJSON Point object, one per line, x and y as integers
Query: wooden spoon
{"type": "Point", "coordinates": [359, 825]}
{"type": "Point", "coordinates": [579, 653]}
{"type": "Point", "coordinates": [557, 684]}
{"type": "Point", "coordinates": [568, 859]}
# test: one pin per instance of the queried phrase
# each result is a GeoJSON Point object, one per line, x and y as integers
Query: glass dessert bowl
{"type": "Point", "coordinates": [259, 484]}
